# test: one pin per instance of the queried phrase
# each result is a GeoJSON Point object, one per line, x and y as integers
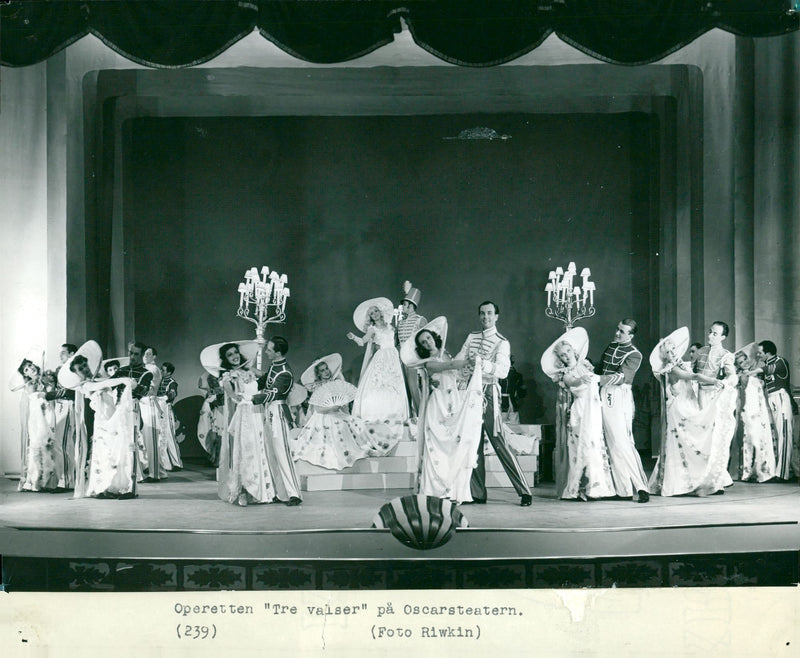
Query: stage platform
{"type": "Point", "coordinates": [177, 535]}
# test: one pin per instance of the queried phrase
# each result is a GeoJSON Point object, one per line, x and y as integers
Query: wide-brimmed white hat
{"type": "Point", "coordinates": [360, 314]}
{"type": "Point", "coordinates": [680, 341]}
{"type": "Point", "coordinates": [36, 356]}
{"type": "Point", "coordinates": [408, 350]}
{"type": "Point", "coordinates": [334, 362]}
{"type": "Point", "coordinates": [578, 338]}
{"type": "Point", "coordinates": [750, 351]}
{"type": "Point", "coordinates": [94, 355]}
{"type": "Point", "coordinates": [209, 357]}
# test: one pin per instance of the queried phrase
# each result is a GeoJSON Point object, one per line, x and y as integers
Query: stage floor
{"type": "Point", "coordinates": [181, 521]}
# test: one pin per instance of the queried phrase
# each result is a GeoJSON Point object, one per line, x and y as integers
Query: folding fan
{"type": "Point", "coordinates": [333, 394]}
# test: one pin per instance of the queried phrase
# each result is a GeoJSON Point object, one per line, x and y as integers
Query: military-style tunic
{"type": "Point", "coordinates": [168, 388]}
{"type": "Point", "coordinates": [775, 373]}
{"type": "Point", "coordinates": [621, 361]}
{"type": "Point", "coordinates": [276, 384]}
{"type": "Point", "coordinates": [406, 328]}
{"type": "Point", "coordinates": [409, 325]}
{"type": "Point", "coordinates": [495, 352]}
{"type": "Point", "coordinates": [619, 364]}
{"type": "Point", "coordinates": [145, 414]}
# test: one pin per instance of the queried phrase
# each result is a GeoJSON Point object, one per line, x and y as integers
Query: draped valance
{"type": "Point", "coordinates": [180, 33]}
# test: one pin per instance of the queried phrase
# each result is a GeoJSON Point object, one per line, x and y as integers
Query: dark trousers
{"type": "Point", "coordinates": [507, 458]}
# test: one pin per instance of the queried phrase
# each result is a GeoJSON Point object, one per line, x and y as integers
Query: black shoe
{"type": "Point", "coordinates": [525, 500]}
{"type": "Point", "coordinates": [475, 501]}
{"type": "Point", "coordinates": [127, 496]}
{"type": "Point", "coordinates": [719, 492]}
{"type": "Point", "coordinates": [276, 500]}
{"type": "Point", "coordinates": [644, 497]}
{"type": "Point", "coordinates": [294, 501]}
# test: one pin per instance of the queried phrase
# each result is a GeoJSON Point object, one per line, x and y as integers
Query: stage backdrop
{"type": "Point", "coordinates": [350, 207]}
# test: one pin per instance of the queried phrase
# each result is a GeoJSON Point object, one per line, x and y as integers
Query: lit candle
{"type": "Point", "coordinates": [264, 272]}
{"type": "Point", "coordinates": [571, 268]}
{"type": "Point", "coordinates": [576, 292]}
{"type": "Point", "coordinates": [285, 293]}
{"type": "Point", "coordinates": [549, 290]}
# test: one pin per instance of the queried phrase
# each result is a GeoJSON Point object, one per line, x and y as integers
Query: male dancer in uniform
{"type": "Point", "coordinates": [495, 352]}
{"type": "Point", "coordinates": [274, 387]}
{"type": "Point", "coordinates": [617, 369]}
{"type": "Point", "coordinates": [408, 325]}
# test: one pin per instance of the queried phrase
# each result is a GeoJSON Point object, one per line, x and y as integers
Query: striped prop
{"type": "Point", "coordinates": [420, 521]}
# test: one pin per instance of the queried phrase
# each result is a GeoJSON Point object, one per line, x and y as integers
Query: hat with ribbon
{"type": "Point", "coordinates": [210, 359]}
{"type": "Point", "coordinates": [334, 362]}
{"type": "Point", "coordinates": [577, 338]}
{"type": "Point", "coordinates": [750, 351]}
{"type": "Point", "coordinates": [669, 350]}
{"type": "Point", "coordinates": [361, 314]}
{"type": "Point", "coordinates": [94, 356]}
{"type": "Point", "coordinates": [34, 355]}
{"type": "Point", "coordinates": [408, 350]}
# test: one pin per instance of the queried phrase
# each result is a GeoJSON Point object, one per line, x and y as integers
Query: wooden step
{"type": "Point", "coordinates": [398, 470]}
{"type": "Point", "coordinates": [353, 481]}
{"type": "Point", "coordinates": [390, 464]}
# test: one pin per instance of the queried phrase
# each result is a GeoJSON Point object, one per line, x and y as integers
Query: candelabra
{"type": "Point", "coordinates": [397, 315]}
{"type": "Point", "coordinates": [567, 302]}
{"type": "Point", "coordinates": [262, 301]}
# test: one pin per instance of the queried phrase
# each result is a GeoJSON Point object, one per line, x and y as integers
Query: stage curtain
{"type": "Point", "coordinates": [470, 33]}
{"type": "Point", "coordinates": [173, 33]}
{"type": "Point", "coordinates": [328, 32]}
{"type": "Point", "coordinates": [630, 31]}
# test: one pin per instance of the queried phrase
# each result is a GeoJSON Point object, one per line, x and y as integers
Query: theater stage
{"type": "Point", "coordinates": [179, 535]}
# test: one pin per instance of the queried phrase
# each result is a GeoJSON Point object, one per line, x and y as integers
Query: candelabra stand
{"type": "Point", "coordinates": [568, 302]}
{"type": "Point", "coordinates": [262, 301]}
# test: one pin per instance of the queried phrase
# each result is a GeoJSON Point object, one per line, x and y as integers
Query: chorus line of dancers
{"type": "Point", "coordinates": [255, 423]}
{"type": "Point", "coordinates": [725, 416]}
{"type": "Point", "coordinates": [67, 446]}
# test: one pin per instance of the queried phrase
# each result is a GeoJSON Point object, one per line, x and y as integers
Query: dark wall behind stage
{"type": "Point", "coordinates": [350, 207]}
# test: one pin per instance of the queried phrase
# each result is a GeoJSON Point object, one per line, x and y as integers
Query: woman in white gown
{"type": "Point", "coordinates": [113, 460]}
{"type": "Point", "coordinates": [37, 421]}
{"type": "Point", "coordinates": [588, 470]}
{"type": "Point", "coordinates": [331, 437]}
{"type": "Point", "coordinates": [381, 394]}
{"type": "Point", "coordinates": [690, 446]}
{"type": "Point", "coordinates": [243, 476]}
{"type": "Point", "coordinates": [450, 421]}
{"type": "Point", "coordinates": [752, 449]}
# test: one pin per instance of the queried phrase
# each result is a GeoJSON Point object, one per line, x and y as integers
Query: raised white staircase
{"type": "Point", "coordinates": [398, 469]}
